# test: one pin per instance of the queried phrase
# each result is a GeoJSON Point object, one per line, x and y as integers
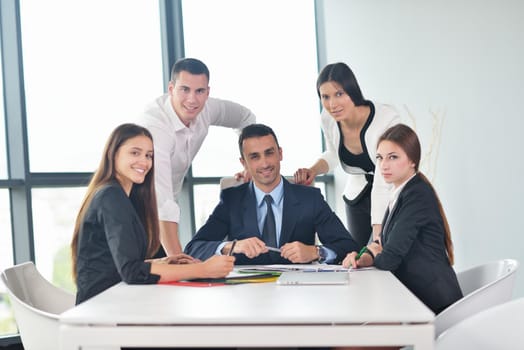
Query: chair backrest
{"type": "Point", "coordinates": [36, 305]}
{"type": "Point", "coordinates": [483, 286]}
{"type": "Point", "coordinates": [499, 327]}
{"type": "Point", "coordinates": [229, 181]}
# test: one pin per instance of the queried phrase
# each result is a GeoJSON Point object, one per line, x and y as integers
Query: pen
{"type": "Point", "coordinates": [232, 247]}
{"type": "Point", "coordinates": [273, 249]}
{"type": "Point", "coordinates": [362, 251]}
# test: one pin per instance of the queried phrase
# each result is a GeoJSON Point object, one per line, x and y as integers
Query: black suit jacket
{"type": "Point", "coordinates": [414, 247]}
{"type": "Point", "coordinates": [112, 245]}
{"type": "Point", "coordinates": [304, 213]}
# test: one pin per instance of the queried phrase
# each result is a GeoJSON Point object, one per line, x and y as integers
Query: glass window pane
{"type": "Point", "coordinates": [3, 149]}
{"type": "Point", "coordinates": [6, 242]}
{"type": "Point", "coordinates": [54, 214]}
{"type": "Point", "coordinates": [271, 69]}
{"type": "Point", "coordinates": [94, 66]}
{"type": "Point", "coordinates": [7, 320]}
{"type": "Point", "coordinates": [7, 323]}
{"type": "Point", "coordinates": [206, 198]}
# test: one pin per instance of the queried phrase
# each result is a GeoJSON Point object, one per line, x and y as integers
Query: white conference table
{"type": "Point", "coordinates": [373, 309]}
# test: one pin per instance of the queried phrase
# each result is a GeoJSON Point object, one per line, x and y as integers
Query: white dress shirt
{"type": "Point", "coordinates": [396, 192]}
{"type": "Point", "coordinates": [175, 145]}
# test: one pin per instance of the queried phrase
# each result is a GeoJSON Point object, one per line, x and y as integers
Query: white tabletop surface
{"type": "Point", "coordinates": [371, 296]}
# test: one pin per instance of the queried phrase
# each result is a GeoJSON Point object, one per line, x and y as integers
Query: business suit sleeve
{"type": "Point", "coordinates": [415, 210]}
{"type": "Point", "coordinates": [125, 236]}
{"type": "Point", "coordinates": [331, 230]}
{"type": "Point", "coordinates": [212, 233]}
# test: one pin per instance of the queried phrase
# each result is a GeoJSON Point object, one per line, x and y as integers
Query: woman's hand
{"type": "Point", "coordinates": [304, 176]}
{"type": "Point", "coordinates": [375, 247]}
{"type": "Point", "coordinates": [349, 260]}
{"type": "Point", "coordinates": [218, 266]}
{"type": "Point", "coordinates": [243, 176]}
{"type": "Point", "coordinates": [175, 259]}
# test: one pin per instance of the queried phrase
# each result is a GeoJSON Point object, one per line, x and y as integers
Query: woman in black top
{"type": "Point", "coordinates": [116, 231]}
{"type": "Point", "coordinates": [351, 126]}
{"type": "Point", "coordinates": [415, 242]}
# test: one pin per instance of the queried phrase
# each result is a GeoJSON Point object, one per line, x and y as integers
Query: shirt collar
{"type": "Point", "coordinates": [396, 192]}
{"type": "Point", "coordinates": [177, 123]}
{"type": "Point", "coordinates": [277, 194]}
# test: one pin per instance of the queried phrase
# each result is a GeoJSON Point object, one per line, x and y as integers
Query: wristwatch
{"type": "Point", "coordinates": [322, 254]}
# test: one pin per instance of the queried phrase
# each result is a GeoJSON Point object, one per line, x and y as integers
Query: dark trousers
{"type": "Point", "coordinates": [358, 213]}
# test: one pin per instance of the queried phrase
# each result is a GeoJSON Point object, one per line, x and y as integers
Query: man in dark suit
{"type": "Point", "coordinates": [288, 222]}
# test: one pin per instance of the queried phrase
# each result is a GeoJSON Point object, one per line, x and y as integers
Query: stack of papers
{"type": "Point", "coordinates": [293, 268]}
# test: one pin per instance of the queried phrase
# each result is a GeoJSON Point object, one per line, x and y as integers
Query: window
{"type": "Point", "coordinates": [85, 74]}
{"type": "Point", "coordinates": [54, 214]}
{"type": "Point", "coordinates": [98, 64]}
{"type": "Point", "coordinates": [81, 81]}
{"type": "Point", "coordinates": [271, 69]}
{"type": "Point", "coordinates": [7, 324]}
{"type": "Point", "coordinates": [3, 151]}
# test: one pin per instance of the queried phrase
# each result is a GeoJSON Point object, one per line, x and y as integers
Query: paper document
{"type": "Point", "coordinates": [293, 267]}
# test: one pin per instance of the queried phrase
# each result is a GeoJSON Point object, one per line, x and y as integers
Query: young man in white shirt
{"type": "Point", "coordinates": [179, 122]}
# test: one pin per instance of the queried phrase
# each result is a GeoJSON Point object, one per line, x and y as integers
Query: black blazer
{"type": "Point", "coordinates": [112, 245]}
{"type": "Point", "coordinates": [304, 212]}
{"type": "Point", "coordinates": [414, 247]}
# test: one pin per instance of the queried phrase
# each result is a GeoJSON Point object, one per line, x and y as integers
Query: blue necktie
{"type": "Point", "coordinates": [269, 232]}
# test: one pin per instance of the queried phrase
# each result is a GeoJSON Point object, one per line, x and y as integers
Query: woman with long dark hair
{"type": "Point", "coordinates": [351, 126]}
{"type": "Point", "coordinates": [117, 230]}
{"type": "Point", "coordinates": [415, 242]}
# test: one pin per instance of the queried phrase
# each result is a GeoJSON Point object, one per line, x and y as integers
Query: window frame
{"type": "Point", "coordinates": [20, 181]}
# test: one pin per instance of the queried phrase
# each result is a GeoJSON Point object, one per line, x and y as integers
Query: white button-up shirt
{"type": "Point", "coordinates": [175, 145]}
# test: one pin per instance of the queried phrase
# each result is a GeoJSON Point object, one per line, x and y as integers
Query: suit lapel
{"type": "Point", "coordinates": [249, 214]}
{"type": "Point", "coordinates": [390, 220]}
{"type": "Point", "coordinates": [290, 213]}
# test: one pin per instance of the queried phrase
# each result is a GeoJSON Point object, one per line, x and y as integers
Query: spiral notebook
{"type": "Point", "coordinates": [313, 278]}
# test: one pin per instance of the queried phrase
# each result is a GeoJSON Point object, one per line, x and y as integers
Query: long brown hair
{"type": "Point", "coordinates": [407, 139]}
{"type": "Point", "coordinates": [142, 195]}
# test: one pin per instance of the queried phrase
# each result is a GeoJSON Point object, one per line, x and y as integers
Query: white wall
{"type": "Point", "coordinates": [460, 63]}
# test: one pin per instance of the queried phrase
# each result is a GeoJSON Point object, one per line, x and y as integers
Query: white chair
{"type": "Point", "coordinates": [483, 286]}
{"type": "Point", "coordinates": [36, 305]}
{"type": "Point", "coordinates": [499, 327]}
{"type": "Point", "coordinates": [229, 181]}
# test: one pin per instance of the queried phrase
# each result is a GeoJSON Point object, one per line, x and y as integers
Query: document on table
{"type": "Point", "coordinates": [293, 267]}
{"type": "Point", "coordinates": [234, 277]}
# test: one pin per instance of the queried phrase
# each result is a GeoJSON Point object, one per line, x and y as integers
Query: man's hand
{"type": "Point", "coordinates": [250, 247]}
{"type": "Point", "coordinates": [298, 252]}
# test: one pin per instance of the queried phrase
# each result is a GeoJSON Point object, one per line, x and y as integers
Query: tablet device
{"type": "Point", "coordinates": [313, 278]}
